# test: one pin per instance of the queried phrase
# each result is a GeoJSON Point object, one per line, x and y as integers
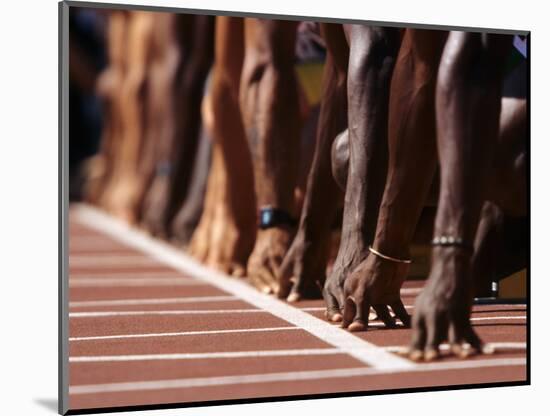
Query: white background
{"type": "Point", "coordinates": [29, 204]}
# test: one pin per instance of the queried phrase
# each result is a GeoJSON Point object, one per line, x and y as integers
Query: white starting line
{"type": "Point", "coordinates": [114, 274]}
{"type": "Point", "coordinates": [102, 314]}
{"type": "Point", "coordinates": [161, 301]}
{"type": "Point", "coordinates": [185, 333]}
{"type": "Point", "coordinates": [246, 354]}
{"type": "Point", "coordinates": [110, 261]}
{"type": "Point", "coordinates": [292, 376]}
{"type": "Point", "coordinates": [344, 341]}
{"type": "Point", "coordinates": [205, 355]}
{"type": "Point", "coordinates": [133, 282]}
{"type": "Point", "coordinates": [380, 359]}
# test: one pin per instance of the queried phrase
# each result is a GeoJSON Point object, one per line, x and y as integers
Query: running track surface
{"type": "Point", "coordinates": [148, 325]}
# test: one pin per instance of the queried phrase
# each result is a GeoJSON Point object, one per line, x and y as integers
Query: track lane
{"type": "Point", "coordinates": [269, 333]}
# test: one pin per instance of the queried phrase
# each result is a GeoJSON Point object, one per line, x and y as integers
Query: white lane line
{"type": "Point", "coordinates": [92, 240]}
{"type": "Point", "coordinates": [97, 314]}
{"type": "Point", "coordinates": [187, 333]}
{"type": "Point", "coordinates": [158, 301]}
{"type": "Point", "coordinates": [136, 281]}
{"type": "Point", "coordinates": [247, 354]}
{"type": "Point", "coordinates": [205, 355]}
{"type": "Point", "coordinates": [103, 314]}
{"type": "Point", "coordinates": [346, 342]}
{"type": "Point", "coordinates": [502, 308]}
{"type": "Point", "coordinates": [322, 309]}
{"type": "Point", "coordinates": [497, 346]}
{"type": "Point", "coordinates": [408, 291]}
{"type": "Point", "coordinates": [113, 274]}
{"type": "Point", "coordinates": [494, 318]}
{"type": "Point", "coordinates": [292, 376]}
{"type": "Point", "coordinates": [109, 261]}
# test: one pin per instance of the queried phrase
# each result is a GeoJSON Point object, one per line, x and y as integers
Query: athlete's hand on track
{"type": "Point", "coordinates": [375, 282]}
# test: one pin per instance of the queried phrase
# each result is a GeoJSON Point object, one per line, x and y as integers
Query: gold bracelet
{"type": "Point", "coordinates": [373, 251]}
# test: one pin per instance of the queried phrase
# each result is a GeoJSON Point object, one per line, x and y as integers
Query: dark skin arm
{"type": "Point", "coordinates": [175, 155]}
{"type": "Point", "coordinates": [225, 234]}
{"type": "Point", "coordinates": [372, 57]}
{"type": "Point", "coordinates": [412, 160]}
{"type": "Point", "coordinates": [468, 108]}
{"type": "Point", "coordinates": [303, 268]}
{"type": "Point", "coordinates": [270, 108]}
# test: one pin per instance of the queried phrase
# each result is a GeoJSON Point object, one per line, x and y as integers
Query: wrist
{"type": "Point", "coordinates": [269, 217]}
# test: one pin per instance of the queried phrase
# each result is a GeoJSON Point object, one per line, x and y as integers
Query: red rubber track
{"type": "Point", "coordinates": [108, 276]}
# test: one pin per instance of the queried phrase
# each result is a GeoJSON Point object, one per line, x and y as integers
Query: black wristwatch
{"type": "Point", "coordinates": [272, 217]}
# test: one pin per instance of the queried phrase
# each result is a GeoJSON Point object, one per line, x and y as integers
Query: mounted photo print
{"type": "Point", "coordinates": [268, 208]}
